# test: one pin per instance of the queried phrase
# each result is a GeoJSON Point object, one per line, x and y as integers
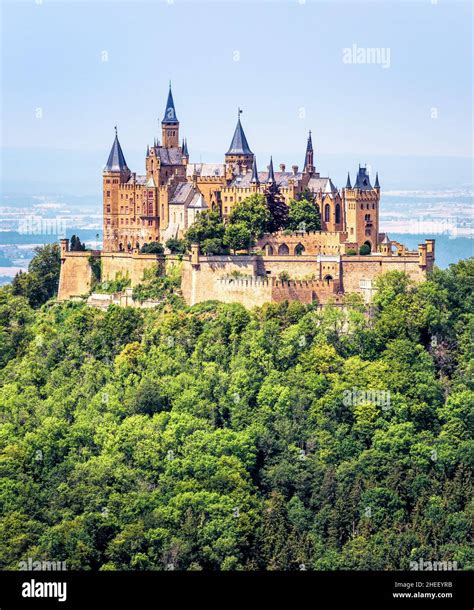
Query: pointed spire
{"type": "Point", "coordinates": [239, 144]}
{"type": "Point", "coordinates": [116, 161]}
{"type": "Point", "coordinates": [308, 159]}
{"type": "Point", "coordinates": [348, 183]}
{"type": "Point", "coordinates": [377, 185]}
{"type": "Point", "coordinates": [147, 150]}
{"type": "Point", "coordinates": [271, 175]}
{"type": "Point", "coordinates": [170, 117]}
{"type": "Point", "coordinates": [254, 179]}
{"type": "Point", "coordinates": [185, 150]}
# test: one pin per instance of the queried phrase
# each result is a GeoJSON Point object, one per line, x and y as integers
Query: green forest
{"type": "Point", "coordinates": [217, 438]}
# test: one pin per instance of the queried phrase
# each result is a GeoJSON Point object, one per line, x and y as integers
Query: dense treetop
{"type": "Point", "coordinates": [214, 437]}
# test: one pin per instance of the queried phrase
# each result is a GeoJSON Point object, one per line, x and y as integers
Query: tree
{"type": "Point", "coordinates": [238, 237]}
{"type": "Point", "coordinates": [208, 225]}
{"type": "Point", "coordinates": [176, 246]}
{"type": "Point", "coordinates": [75, 244]}
{"type": "Point", "coordinates": [41, 281]}
{"type": "Point", "coordinates": [153, 247]}
{"type": "Point", "coordinates": [253, 213]}
{"type": "Point", "coordinates": [278, 211]}
{"type": "Point", "coordinates": [364, 250]}
{"type": "Point", "coordinates": [303, 215]}
{"type": "Point", "coordinates": [213, 247]}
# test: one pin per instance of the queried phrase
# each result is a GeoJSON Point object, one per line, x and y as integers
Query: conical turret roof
{"type": "Point", "coordinates": [116, 161]}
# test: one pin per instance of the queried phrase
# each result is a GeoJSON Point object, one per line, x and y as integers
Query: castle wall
{"type": "Point", "coordinates": [316, 242]}
{"type": "Point", "coordinates": [124, 264]}
{"type": "Point", "coordinates": [75, 279]}
{"type": "Point", "coordinates": [357, 269]}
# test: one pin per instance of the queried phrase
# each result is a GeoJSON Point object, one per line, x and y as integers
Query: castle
{"type": "Point", "coordinates": [165, 201]}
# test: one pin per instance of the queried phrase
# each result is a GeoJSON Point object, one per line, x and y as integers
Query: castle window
{"type": "Point", "coordinates": [367, 232]}
{"type": "Point", "coordinates": [107, 209]}
{"type": "Point", "coordinates": [108, 193]}
{"type": "Point", "coordinates": [373, 206]}
{"type": "Point", "coordinates": [338, 214]}
{"type": "Point", "coordinates": [361, 206]}
{"type": "Point", "coordinates": [327, 212]}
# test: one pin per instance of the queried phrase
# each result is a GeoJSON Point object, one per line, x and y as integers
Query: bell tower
{"type": "Point", "coordinates": [170, 124]}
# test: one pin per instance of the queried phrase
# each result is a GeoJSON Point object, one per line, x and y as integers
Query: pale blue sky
{"type": "Point", "coordinates": [290, 77]}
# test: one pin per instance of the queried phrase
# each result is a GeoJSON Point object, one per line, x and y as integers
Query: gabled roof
{"type": "Point", "coordinates": [116, 161]}
{"type": "Point", "coordinates": [170, 117]}
{"type": "Point", "coordinates": [239, 144]}
{"type": "Point", "coordinates": [198, 202]}
{"type": "Point", "coordinates": [169, 156]}
{"type": "Point", "coordinates": [205, 169]}
{"type": "Point", "coordinates": [150, 182]}
{"type": "Point", "coordinates": [322, 184]}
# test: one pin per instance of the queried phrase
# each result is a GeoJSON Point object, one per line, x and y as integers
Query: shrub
{"type": "Point", "coordinates": [364, 250]}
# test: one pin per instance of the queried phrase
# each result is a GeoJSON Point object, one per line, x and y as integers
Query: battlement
{"type": "Point", "coordinates": [258, 282]}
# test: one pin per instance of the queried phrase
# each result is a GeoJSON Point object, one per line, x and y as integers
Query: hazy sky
{"type": "Point", "coordinates": [82, 67]}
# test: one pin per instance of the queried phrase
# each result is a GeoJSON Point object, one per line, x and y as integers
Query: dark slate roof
{"type": "Point", "coordinates": [239, 144]}
{"type": "Point", "coordinates": [116, 161]}
{"type": "Point", "coordinates": [309, 145]}
{"type": "Point", "coordinates": [168, 156]}
{"type": "Point", "coordinates": [170, 117]}
{"type": "Point", "coordinates": [182, 192]}
{"type": "Point", "coordinates": [363, 182]}
{"type": "Point", "coordinates": [271, 173]}
{"type": "Point", "coordinates": [377, 185]}
{"type": "Point", "coordinates": [140, 180]}
{"type": "Point", "coordinates": [348, 183]}
{"type": "Point", "coordinates": [184, 147]}
{"type": "Point", "coordinates": [254, 179]}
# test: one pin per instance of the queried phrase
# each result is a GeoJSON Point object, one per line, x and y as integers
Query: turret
{"type": "Point", "coordinates": [239, 152]}
{"type": "Point", "coordinates": [115, 173]}
{"type": "Point", "coordinates": [254, 180]}
{"type": "Point", "coordinates": [170, 124]}
{"type": "Point", "coordinates": [271, 175]}
{"type": "Point", "coordinates": [362, 210]}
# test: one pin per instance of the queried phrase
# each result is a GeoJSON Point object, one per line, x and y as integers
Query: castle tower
{"type": "Point", "coordinates": [308, 160]}
{"type": "Point", "coordinates": [239, 153]}
{"type": "Point", "coordinates": [362, 210]}
{"type": "Point", "coordinates": [170, 124]}
{"type": "Point", "coordinates": [115, 173]}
